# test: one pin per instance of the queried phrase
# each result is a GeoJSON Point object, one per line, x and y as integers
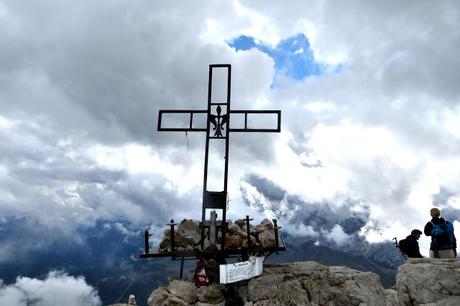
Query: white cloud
{"type": "Point", "coordinates": [57, 288]}
{"type": "Point", "coordinates": [300, 230]}
{"type": "Point", "coordinates": [338, 235]}
{"type": "Point", "coordinates": [320, 106]}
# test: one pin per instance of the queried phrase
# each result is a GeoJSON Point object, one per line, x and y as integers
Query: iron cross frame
{"type": "Point", "coordinates": [218, 115]}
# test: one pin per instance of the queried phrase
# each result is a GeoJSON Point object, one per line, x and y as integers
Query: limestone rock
{"type": "Point", "coordinates": [165, 243]}
{"type": "Point", "coordinates": [187, 233]}
{"type": "Point", "coordinates": [159, 297]}
{"type": "Point", "coordinates": [267, 238]}
{"type": "Point", "coordinates": [241, 223]}
{"type": "Point", "coordinates": [429, 281]}
{"type": "Point", "coordinates": [253, 242]}
{"type": "Point", "coordinates": [433, 282]}
{"type": "Point", "coordinates": [309, 283]}
{"type": "Point", "coordinates": [206, 304]}
{"type": "Point", "coordinates": [233, 241]}
{"type": "Point", "coordinates": [186, 237]}
{"type": "Point", "coordinates": [185, 290]}
{"type": "Point", "coordinates": [361, 288]}
{"type": "Point", "coordinates": [175, 301]}
{"type": "Point", "coordinates": [210, 295]}
{"type": "Point", "coordinates": [391, 297]}
{"type": "Point", "coordinates": [234, 229]}
{"type": "Point", "coordinates": [266, 223]}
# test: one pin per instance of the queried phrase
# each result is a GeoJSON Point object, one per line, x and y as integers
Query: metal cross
{"type": "Point", "coordinates": [218, 115]}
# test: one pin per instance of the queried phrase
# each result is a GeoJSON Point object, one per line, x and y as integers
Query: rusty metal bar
{"type": "Point", "coordinates": [189, 112]}
{"type": "Point", "coordinates": [258, 130]}
{"type": "Point", "coordinates": [172, 238]}
{"type": "Point", "coordinates": [276, 227]}
{"type": "Point", "coordinates": [181, 268]}
{"type": "Point", "coordinates": [146, 242]}
{"type": "Point", "coordinates": [248, 230]}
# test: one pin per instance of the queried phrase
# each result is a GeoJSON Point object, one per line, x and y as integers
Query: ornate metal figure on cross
{"type": "Point", "coordinates": [218, 128]}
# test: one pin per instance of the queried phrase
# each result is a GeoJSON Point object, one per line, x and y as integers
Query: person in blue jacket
{"type": "Point", "coordinates": [443, 241]}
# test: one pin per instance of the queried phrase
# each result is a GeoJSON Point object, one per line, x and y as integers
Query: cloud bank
{"type": "Point", "coordinates": [57, 288]}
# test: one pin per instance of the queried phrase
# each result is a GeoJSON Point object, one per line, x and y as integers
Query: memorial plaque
{"type": "Point", "coordinates": [239, 271]}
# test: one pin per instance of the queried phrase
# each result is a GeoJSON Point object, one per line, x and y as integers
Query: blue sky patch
{"type": "Point", "coordinates": [293, 56]}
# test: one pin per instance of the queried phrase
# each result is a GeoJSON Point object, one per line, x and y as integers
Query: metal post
{"type": "Point", "coordinates": [206, 157]}
{"type": "Point", "coordinates": [181, 268]}
{"type": "Point", "coordinates": [276, 233]}
{"type": "Point", "coordinates": [227, 143]}
{"type": "Point", "coordinates": [173, 242]}
{"type": "Point", "coordinates": [146, 241]}
{"type": "Point", "coordinates": [248, 231]}
{"type": "Point", "coordinates": [212, 228]}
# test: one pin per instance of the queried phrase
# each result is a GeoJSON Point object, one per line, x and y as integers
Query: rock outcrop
{"type": "Point", "coordinates": [419, 282]}
{"type": "Point", "coordinates": [429, 282]}
{"type": "Point", "coordinates": [310, 283]}
{"type": "Point", "coordinates": [301, 283]}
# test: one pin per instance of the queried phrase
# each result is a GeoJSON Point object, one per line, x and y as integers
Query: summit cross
{"type": "Point", "coordinates": [218, 118]}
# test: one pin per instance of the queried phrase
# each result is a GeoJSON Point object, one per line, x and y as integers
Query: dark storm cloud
{"type": "Point", "coordinates": [266, 187]}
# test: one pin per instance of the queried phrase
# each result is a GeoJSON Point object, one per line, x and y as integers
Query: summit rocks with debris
{"type": "Point", "coordinates": [187, 236]}
{"type": "Point", "coordinates": [433, 282]}
{"type": "Point", "coordinates": [310, 283]}
{"type": "Point", "coordinates": [301, 283]}
{"type": "Point", "coordinates": [424, 281]}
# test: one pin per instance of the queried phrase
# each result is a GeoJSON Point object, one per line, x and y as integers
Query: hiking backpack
{"type": "Point", "coordinates": [403, 246]}
{"type": "Point", "coordinates": [443, 235]}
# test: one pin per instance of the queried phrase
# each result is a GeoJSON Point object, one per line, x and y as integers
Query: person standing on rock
{"type": "Point", "coordinates": [409, 246]}
{"type": "Point", "coordinates": [443, 241]}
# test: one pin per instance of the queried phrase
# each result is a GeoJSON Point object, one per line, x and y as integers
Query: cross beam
{"type": "Point", "coordinates": [218, 117]}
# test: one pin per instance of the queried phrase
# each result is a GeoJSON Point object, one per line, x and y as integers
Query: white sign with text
{"type": "Point", "coordinates": [239, 271]}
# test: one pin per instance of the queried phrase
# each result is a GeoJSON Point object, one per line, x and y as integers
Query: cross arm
{"type": "Point", "coordinates": [191, 115]}
{"type": "Point", "coordinates": [268, 114]}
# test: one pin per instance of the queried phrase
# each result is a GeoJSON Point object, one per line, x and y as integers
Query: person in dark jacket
{"type": "Point", "coordinates": [412, 247]}
{"type": "Point", "coordinates": [445, 244]}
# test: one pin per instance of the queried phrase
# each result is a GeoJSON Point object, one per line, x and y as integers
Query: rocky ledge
{"type": "Point", "coordinates": [433, 282]}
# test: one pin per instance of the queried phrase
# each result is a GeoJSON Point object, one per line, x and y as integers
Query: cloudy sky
{"type": "Point", "coordinates": [369, 93]}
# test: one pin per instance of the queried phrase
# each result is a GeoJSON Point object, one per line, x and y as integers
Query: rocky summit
{"type": "Point", "coordinates": [433, 282]}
